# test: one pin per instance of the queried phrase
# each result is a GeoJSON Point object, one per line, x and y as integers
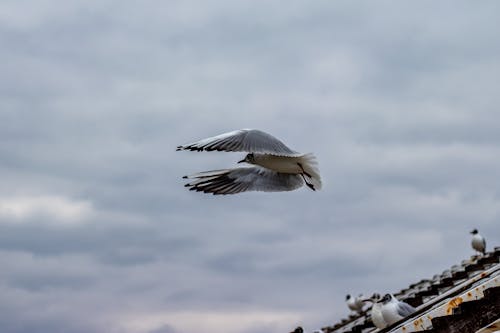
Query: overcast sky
{"type": "Point", "coordinates": [398, 100]}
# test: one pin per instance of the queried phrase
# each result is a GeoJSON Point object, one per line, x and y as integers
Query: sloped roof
{"type": "Point", "coordinates": [465, 294]}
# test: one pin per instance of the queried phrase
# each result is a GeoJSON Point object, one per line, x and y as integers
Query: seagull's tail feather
{"type": "Point", "coordinates": [310, 165]}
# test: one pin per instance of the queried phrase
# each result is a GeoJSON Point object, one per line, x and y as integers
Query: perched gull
{"type": "Point", "coordinates": [355, 303]}
{"type": "Point", "coordinates": [376, 311]}
{"type": "Point", "coordinates": [394, 310]}
{"type": "Point", "coordinates": [478, 242]}
{"type": "Point", "coordinates": [275, 166]}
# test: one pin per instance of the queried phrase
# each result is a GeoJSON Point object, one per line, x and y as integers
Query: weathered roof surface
{"type": "Point", "coordinates": [464, 298]}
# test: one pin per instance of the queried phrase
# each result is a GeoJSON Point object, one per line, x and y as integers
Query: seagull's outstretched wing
{"type": "Point", "coordinates": [248, 140]}
{"type": "Point", "coordinates": [405, 309]}
{"type": "Point", "coordinates": [232, 181]}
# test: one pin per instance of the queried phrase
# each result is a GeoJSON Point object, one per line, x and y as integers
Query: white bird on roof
{"type": "Point", "coordinates": [275, 166]}
{"type": "Point", "coordinates": [394, 310]}
{"type": "Point", "coordinates": [299, 329]}
{"type": "Point", "coordinates": [478, 242]}
{"type": "Point", "coordinates": [376, 311]}
{"type": "Point", "coordinates": [355, 303]}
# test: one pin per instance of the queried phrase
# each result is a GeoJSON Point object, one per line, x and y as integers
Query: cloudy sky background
{"type": "Point", "coordinates": [398, 100]}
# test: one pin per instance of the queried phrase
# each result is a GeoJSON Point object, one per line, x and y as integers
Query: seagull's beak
{"type": "Point", "coordinates": [243, 160]}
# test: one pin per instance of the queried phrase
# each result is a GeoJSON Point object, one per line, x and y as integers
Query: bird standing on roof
{"type": "Point", "coordinates": [376, 311]}
{"type": "Point", "coordinates": [275, 166]}
{"type": "Point", "coordinates": [394, 310]}
{"type": "Point", "coordinates": [478, 242]}
{"type": "Point", "coordinates": [355, 303]}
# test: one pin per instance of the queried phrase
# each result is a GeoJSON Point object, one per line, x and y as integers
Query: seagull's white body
{"type": "Point", "coordinates": [390, 312]}
{"type": "Point", "coordinates": [291, 165]}
{"type": "Point", "coordinates": [282, 164]}
{"type": "Point", "coordinates": [377, 316]}
{"type": "Point", "coordinates": [277, 167]}
{"type": "Point", "coordinates": [355, 303]}
{"type": "Point", "coordinates": [376, 311]}
{"type": "Point", "coordinates": [478, 243]}
{"type": "Point", "coordinates": [395, 310]}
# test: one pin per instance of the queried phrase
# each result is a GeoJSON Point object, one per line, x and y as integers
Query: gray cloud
{"type": "Point", "coordinates": [164, 329]}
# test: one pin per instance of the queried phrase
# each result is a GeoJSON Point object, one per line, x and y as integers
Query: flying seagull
{"type": "Point", "coordinates": [394, 310]}
{"type": "Point", "coordinates": [376, 311]}
{"type": "Point", "coordinates": [478, 242]}
{"type": "Point", "coordinates": [275, 167]}
{"type": "Point", "coordinates": [355, 303]}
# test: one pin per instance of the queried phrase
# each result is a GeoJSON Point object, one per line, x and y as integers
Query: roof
{"type": "Point", "coordinates": [464, 298]}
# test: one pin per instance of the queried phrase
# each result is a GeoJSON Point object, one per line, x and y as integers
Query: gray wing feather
{"type": "Point", "coordinates": [232, 181]}
{"type": "Point", "coordinates": [405, 309]}
{"type": "Point", "coordinates": [247, 140]}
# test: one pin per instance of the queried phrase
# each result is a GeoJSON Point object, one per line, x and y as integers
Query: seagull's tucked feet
{"type": "Point", "coordinates": [311, 186]}
{"type": "Point", "coordinates": [303, 171]}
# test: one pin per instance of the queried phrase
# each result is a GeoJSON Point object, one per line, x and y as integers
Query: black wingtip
{"type": "Point", "coordinates": [178, 148]}
{"type": "Point", "coordinates": [184, 177]}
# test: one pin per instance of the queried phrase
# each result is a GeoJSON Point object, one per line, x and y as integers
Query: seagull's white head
{"type": "Point", "coordinates": [386, 299]}
{"type": "Point", "coordinates": [250, 158]}
{"type": "Point", "coordinates": [374, 298]}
